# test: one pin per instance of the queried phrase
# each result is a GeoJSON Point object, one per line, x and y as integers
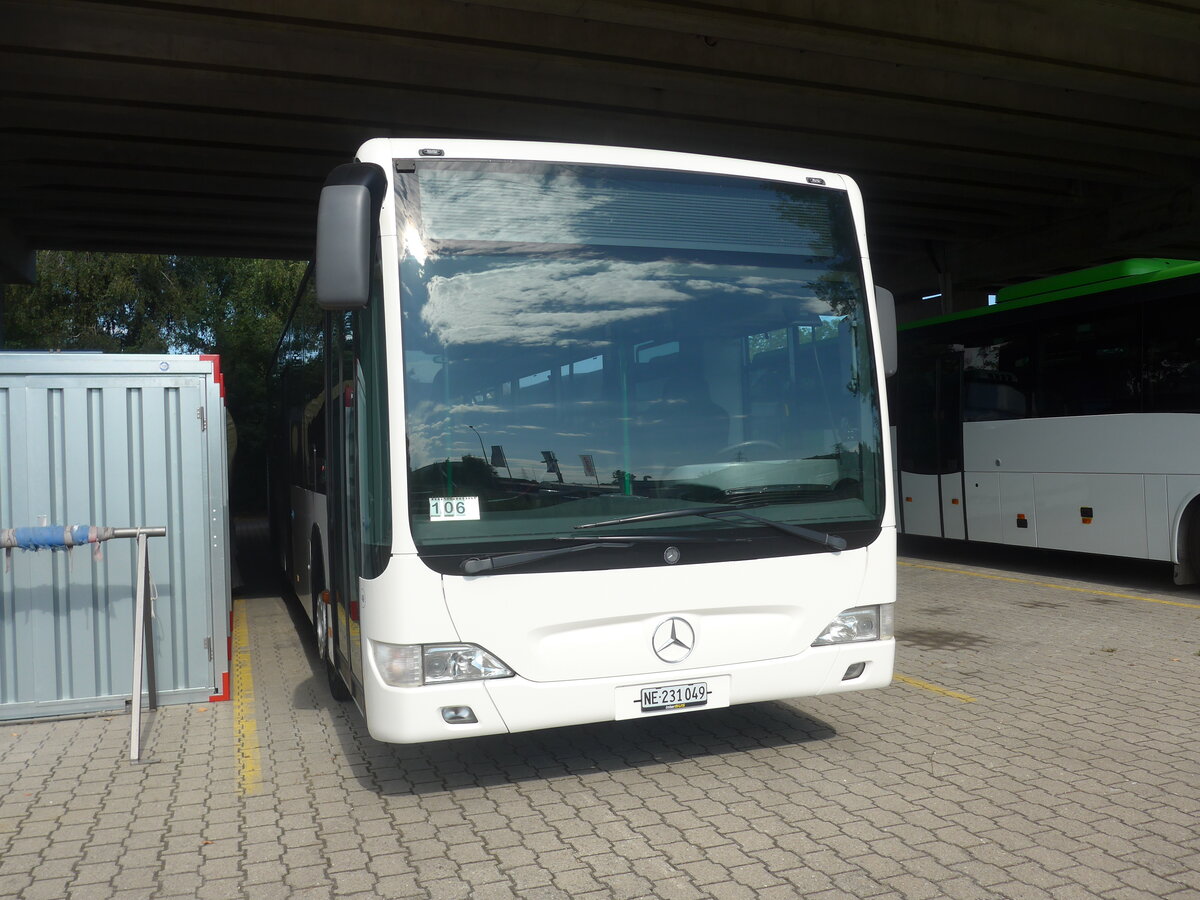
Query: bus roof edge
{"type": "Point", "coordinates": [1105, 276]}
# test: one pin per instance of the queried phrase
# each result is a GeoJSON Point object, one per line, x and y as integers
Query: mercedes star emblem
{"type": "Point", "coordinates": [673, 640]}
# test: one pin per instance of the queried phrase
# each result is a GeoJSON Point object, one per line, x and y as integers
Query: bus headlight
{"type": "Point", "coordinates": [461, 662]}
{"type": "Point", "coordinates": [411, 665]}
{"type": "Point", "coordinates": [862, 623]}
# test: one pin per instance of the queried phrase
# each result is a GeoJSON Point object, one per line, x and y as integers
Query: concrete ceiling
{"type": "Point", "coordinates": [994, 140]}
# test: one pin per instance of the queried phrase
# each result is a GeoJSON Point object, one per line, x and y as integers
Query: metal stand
{"type": "Point", "coordinates": [143, 648]}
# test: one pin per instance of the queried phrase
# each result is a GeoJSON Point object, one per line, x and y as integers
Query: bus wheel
{"type": "Point", "coordinates": [321, 625]}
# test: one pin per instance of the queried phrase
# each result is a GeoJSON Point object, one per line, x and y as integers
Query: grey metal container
{"type": "Point", "coordinates": [123, 441]}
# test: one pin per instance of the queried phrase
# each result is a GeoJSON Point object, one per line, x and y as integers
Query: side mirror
{"type": "Point", "coordinates": [885, 313]}
{"type": "Point", "coordinates": [347, 218]}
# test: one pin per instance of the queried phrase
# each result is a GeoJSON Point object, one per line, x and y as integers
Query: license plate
{"type": "Point", "coordinates": [674, 696]}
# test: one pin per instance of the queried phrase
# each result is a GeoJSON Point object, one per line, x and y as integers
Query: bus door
{"type": "Point", "coordinates": [359, 496]}
{"type": "Point", "coordinates": [343, 499]}
{"type": "Point", "coordinates": [930, 443]}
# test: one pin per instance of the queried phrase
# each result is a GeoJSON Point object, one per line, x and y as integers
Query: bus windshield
{"type": "Point", "coordinates": [588, 343]}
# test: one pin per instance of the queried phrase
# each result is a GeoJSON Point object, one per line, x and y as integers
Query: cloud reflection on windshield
{"type": "Point", "coordinates": [545, 303]}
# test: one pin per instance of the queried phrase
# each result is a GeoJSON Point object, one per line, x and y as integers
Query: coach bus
{"type": "Point", "coordinates": [1063, 417]}
{"type": "Point", "coordinates": [569, 434]}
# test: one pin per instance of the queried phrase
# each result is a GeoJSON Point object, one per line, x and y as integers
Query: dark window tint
{"type": "Point", "coordinates": [1090, 366]}
{"type": "Point", "coordinates": [1171, 366]}
{"type": "Point", "coordinates": [930, 424]}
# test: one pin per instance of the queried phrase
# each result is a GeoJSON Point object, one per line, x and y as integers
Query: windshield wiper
{"type": "Point", "coordinates": [482, 565]}
{"type": "Point", "coordinates": [832, 541]}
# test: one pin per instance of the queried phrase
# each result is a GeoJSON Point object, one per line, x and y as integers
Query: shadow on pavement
{"type": "Point", "coordinates": [609, 747]}
{"type": "Point", "coordinates": [1110, 571]}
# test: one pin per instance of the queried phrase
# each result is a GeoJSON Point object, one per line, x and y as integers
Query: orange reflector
{"type": "Point", "coordinates": [954, 501]}
{"type": "Point", "coordinates": [1087, 520]}
{"type": "Point", "coordinates": [1020, 516]}
{"type": "Point", "coordinates": [908, 499]}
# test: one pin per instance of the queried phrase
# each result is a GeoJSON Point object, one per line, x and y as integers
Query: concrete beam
{"type": "Point", "coordinates": [511, 57]}
{"type": "Point", "coordinates": [1035, 42]}
{"type": "Point", "coordinates": [18, 263]}
{"type": "Point", "coordinates": [1144, 225]}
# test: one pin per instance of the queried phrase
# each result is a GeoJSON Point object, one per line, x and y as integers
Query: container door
{"type": "Point", "coordinates": [104, 450]}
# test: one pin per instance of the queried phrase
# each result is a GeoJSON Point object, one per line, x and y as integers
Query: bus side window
{"type": "Point", "coordinates": [1171, 371]}
{"type": "Point", "coordinates": [1090, 366]}
{"type": "Point", "coordinates": [997, 379]}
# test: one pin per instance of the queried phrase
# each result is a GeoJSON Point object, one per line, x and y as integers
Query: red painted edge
{"type": "Point", "coordinates": [224, 695]}
{"type": "Point", "coordinates": [215, 359]}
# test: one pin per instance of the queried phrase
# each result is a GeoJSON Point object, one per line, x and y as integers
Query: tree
{"type": "Point", "coordinates": [138, 303]}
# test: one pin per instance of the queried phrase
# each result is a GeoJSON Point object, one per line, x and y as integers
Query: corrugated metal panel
{"type": "Point", "coordinates": [120, 441]}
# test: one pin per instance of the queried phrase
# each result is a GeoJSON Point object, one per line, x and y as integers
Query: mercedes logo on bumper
{"type": "Point", "coordinates": [673, 640]}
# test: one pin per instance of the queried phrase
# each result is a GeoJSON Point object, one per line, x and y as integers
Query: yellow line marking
{"type": "Point", "coordinates": [245, 726]}
{"type": "Point", "coordinates": [1059, 587]}
{"type": "Point", "coordinates": [925, 685]}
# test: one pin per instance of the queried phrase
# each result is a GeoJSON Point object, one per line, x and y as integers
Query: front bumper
{"type": "Point", "coordinates": [413, 715]}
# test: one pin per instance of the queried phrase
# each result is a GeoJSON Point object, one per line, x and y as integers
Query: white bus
{"type": "Point", "coordinates": [571, 434]}
{"type": "Point", "coordinates": [1064, 417]}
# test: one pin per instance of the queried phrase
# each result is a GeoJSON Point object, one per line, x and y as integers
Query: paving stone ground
{"type": "Point", "coordinates": [1073, 772]}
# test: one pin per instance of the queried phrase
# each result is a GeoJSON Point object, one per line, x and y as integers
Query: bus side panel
{"type": "Point", "coordinates": [1018, 524]}
{"type": "Point", "coordinates": [1091, 513]}
{"type": "Point", "coordinates": [922, 508]}
{"type": "Point", "coordinates": [1158, 519]}
{"type": "Point", "coordinates": [982, 500]}
{"type": "Point", "coordinates": [953, 522]}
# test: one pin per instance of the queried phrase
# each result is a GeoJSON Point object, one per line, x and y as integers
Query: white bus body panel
{"type": "Point", "coordinates": [1135, 472]}
{"type": "Point", "coordinates": [933, 505]}
{"type": "Point", "coordinates": [953, 523]}
{"type": "Point", "coordinates": [580, 643]}
{"type": "Point", "coordinates": [981, 496]}
{"type": "Point", "coordinates": [1158, 516]}
{"type": "Point", "coordinates": [562, 626]}
{"type": "Point", "coordinates": [919, 494]}
{"type": "Point", "coordinates": [1018, 524]}
{"type": "Point", "coordinates": [1118, 527]}
{"type": "Point", "coordinates": [1150, 443]}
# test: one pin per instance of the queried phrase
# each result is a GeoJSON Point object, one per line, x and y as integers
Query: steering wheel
{"type": "Point", "coordinates": [749, 445]}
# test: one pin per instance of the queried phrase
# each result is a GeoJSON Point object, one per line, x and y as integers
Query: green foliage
{"type": "Point", "coordinates": [137, 303]}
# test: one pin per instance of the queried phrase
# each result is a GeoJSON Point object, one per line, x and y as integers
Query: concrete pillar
{"type": "Point", "coordinates": [18, 264]}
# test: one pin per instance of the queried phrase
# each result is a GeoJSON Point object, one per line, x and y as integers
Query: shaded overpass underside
{"type": "Point", "coordinates": [994, 140]}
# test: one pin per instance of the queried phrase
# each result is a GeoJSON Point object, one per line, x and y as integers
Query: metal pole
{"type": "Point", "coordinates": [151, 595]}
{"type": "Point", "coordinates": [143, 634]}
{"type": "Point", "coordinates": [482, 452]}
{"type": "Point", "coordinates": [139, 640]}
{"type": "Point", "coordinates": [135, 532]}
